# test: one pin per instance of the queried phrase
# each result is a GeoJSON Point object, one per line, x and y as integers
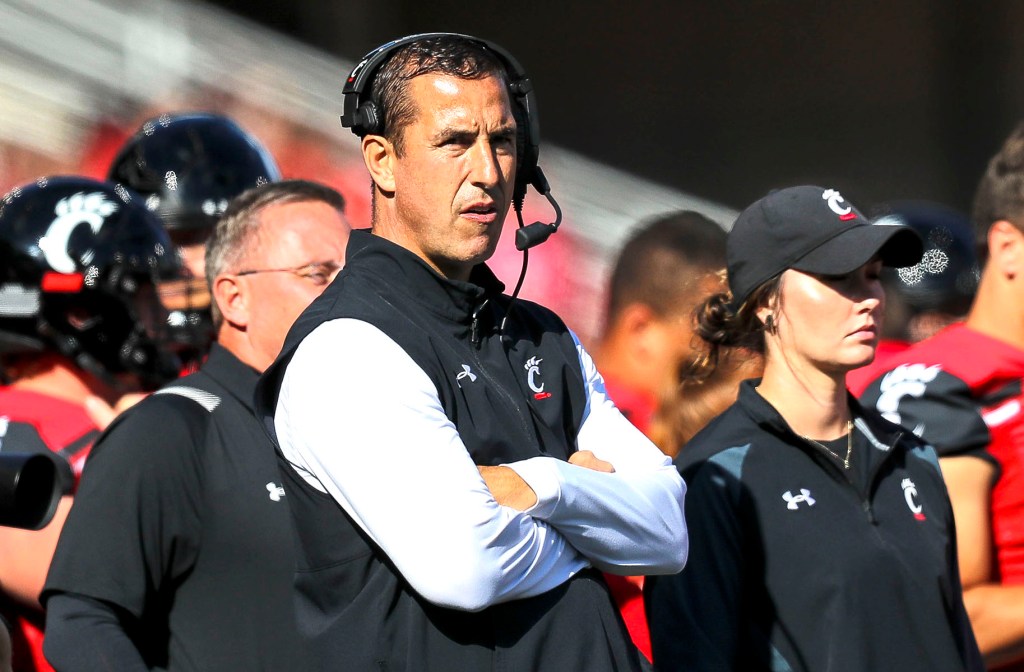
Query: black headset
{"type": "Point", "coordinates": [364, 117]}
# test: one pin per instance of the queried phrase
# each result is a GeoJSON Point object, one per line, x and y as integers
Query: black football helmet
{"type": "Point", "coordinates": [946, 278]}
{"type": "Point", "coordinates": [188, 166]}
{"type": "Point", "coordinates": [82, 264]}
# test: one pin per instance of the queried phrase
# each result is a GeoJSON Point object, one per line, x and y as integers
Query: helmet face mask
{"type": "Point", "coordinates": [80, 264]}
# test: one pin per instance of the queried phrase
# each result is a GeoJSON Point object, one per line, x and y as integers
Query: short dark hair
{"type": "Point", "coordinates": [451, 55]}
{"type": "Point", "coordinates": [238, 228]}
{"type": "Point", "coordinates": [1000, 194]}
{"type": "Point", "coordinates": [664, 259]}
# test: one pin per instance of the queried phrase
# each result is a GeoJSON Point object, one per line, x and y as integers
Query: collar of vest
{"type": "Point", "coordinates": [393, 265]}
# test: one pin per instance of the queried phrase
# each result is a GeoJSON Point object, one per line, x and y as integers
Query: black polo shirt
{"type": "Point", "coordinates": [180, 521]}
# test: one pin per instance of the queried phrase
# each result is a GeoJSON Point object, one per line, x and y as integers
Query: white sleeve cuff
{"type": "Point", "coordinates": [542, 475]}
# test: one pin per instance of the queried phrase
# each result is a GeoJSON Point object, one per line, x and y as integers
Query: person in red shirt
{"type": "Point", "coordinates": [662, 272]}
{"type": "Point", "coordinates": [82, 266]}
{"type": "Point", "coordinates": [963, 391]}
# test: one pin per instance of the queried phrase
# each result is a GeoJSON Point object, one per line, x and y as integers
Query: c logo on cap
{"type": "Point", "coordinates": [834, 198]}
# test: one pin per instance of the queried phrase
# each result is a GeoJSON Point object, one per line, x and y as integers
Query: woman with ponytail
{"type": "Point", "coordinates": [821, 536]}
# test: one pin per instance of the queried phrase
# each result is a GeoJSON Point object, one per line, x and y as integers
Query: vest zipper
{"type": "Point", "coordinates": [475, 340]}
{"type": "Point", "coordinates": [474, 325]}
{"type": "Point", "coordinates": [873, 477]}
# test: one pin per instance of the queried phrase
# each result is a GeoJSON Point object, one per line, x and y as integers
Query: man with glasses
{"type": "Point", "coordinates": [178, 553]}
{"type": "Point", "coordinates": [186, 167]}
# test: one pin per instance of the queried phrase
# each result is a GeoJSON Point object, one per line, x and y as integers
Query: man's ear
{"type": "Point", "coordinates": [379, 157]}
{"type": "Point", "coordinates": [642, 327]}
{"type": "Point", "coordinates": [1006, 248]}
{"type": "Point", "coordinates": [635, 319]}
{"type": "Point", "coordinates": [230, 293]}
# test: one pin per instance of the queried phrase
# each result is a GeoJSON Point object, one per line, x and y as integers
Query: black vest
{"type": "Point", "coordinates": [512, 396]}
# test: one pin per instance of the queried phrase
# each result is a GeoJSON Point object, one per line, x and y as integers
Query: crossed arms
{"type": "Point", "coordinates": [386, 451]}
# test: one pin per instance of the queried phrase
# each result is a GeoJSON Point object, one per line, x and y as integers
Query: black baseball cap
{"type": "Point", "coordinates": [810, 229]}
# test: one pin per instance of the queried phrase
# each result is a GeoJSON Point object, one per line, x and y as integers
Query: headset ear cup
{"type": "Point", "coordinates": [368, 119]}
{"type": "Point", "coordinates": [526, 158]}
{"type": "Point", "coordinates": [522, 180]}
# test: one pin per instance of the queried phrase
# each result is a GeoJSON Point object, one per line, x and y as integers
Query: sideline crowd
{"type": "Point", "coordinates": [287, 443]}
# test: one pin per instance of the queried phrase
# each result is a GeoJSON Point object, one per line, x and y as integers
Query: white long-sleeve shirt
{"type": "Point", "coordinates": [378, 441]}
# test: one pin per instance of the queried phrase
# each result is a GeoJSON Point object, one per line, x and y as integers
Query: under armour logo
{"type": "Point", "coordinates": [792, 502]}
{"type": "Point", "coordinates": [465, 373]}
{"type": "Point", "coordinates": [276, 491]}
{"type": "Point", "coordinates": [834, 199]}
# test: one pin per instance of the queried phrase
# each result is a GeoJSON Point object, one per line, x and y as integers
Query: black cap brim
{"type": "Point", "coordinates": [896, 245]}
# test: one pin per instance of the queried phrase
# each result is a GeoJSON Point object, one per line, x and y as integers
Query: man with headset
{"type": "Point", "coordinates": [450, 451]}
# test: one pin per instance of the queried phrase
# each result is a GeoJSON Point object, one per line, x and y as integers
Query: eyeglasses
{"type": "Point", "coordinates": [319, 273]}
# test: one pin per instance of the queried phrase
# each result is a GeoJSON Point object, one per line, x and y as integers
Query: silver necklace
{"type": "Point", "coordinates": [849, 445]}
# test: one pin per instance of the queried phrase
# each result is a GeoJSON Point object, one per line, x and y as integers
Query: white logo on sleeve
{"type": "Point", "coordinates": [276, 491]}
{"type": "Point", "coordinates": [906, 380]}
{"type": "Point", "coordinates": [834, 199]}
{"type": "Point", "coordinates": [91, 209]}
{"type": "Point", "coordinates": [793, 501]}
{"type": "Point", "coordinates": [909, 493]}
{"type": "Point", "coordinates": [465, 373]}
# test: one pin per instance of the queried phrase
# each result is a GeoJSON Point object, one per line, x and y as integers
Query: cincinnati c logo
{"type": "Point", "coordinates": [532, 367]}
{"type": "Point", "coordinates": [532, 370]}
{"type": "Point", "coordinates": [910, 493]}
{"type": "Point", "coordinates": [71, 212]}
{"type": "Point", "coordinates": [906, 380]}
{"type": "Point", "coordinates": [834, 199]}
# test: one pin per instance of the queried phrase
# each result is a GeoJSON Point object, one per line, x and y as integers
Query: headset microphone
{"type": "Point", "coordinates": [536, 233]}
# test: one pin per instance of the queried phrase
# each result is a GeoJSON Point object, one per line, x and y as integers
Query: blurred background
{"type": "Point", "coordinates": [645, 107]}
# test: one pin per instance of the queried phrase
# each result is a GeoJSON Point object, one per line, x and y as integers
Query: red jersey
{"type": "Point", "coordinates": [637, 405]}
{"type": "Point", "coordinates": [628, 591]}
{"type": "Point", "coordinates": [33, 422]}
{"type": "Point", "coordinates": [962, 391]}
